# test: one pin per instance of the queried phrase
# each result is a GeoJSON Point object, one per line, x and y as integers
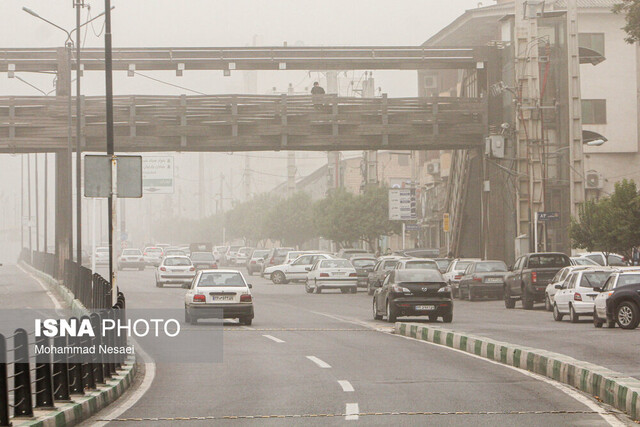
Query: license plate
{"type": "Point", "coordinates": [493, 280]}
{"type": "Point", "coordinates": [425, 307]}
{"type": "Point", "coordinates": [338, 273]}
{"type": "Point", "coordinates": [222, 298]}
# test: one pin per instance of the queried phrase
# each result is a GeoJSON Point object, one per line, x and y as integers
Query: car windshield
{"type": "Point", "coordinates": [177, 261]}
{"type": "Point", "coordinates": [461, 265]}
{"type": "Point", "coordinates": [628, 279]}
{"type": "Point", "coordinates": [548, 261]}
{"type": "Point", "coordinates": [221, 279]}
{"type": "Point", "coordinates": [390, 265]}
{"type": "Point", "coordinates": [421, 265]}
{"type": "Point", "coordinates": [443, 264]}
{"type": "Point", "coordinates": [490, 267]}
{"type": "Point", "coordinates": [594, 279]}
{"type": "Point", "coordinates": [245, 251]}
{"type": "Point", "coordinates": [293, 255]}
{"type": "Point", "coordinates": [131, 252]}
{"type": "Point", "coordinates": [234, 248]}
{"type": "Point", "coordinates": [361, 263]}
{"type": "Point", "coordinates": [584, 261]}
{"type": "Point", "coordinates": [409, 276]}
{"type": "Point", "coordinates": [281, 251]}
{"type": "Point", "coordinates": [335, 263]}
{"type": "Point", "coordinates": [201, 256]}
{"type": "Point", "coordinates": [175, 252]}
{"type": "Point", "coordinates": [259, 254]}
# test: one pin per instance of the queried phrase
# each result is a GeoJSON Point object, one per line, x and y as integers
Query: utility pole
{"type": "Point", "coordinates": [370, 156]}
{"type": "Point", "coordinates": [22, 202]}
{"type": "Point", "coordinates": [29, 204]}
{"type": "Point", "coordinates": [46, 201]}
{"type": "Point", "coordinates": [201, 185]}
{"type": "Point", "coordinates": [35, 157]}
{"type": "Point", "coordinates": [530, 140]}
{"type": "Point", "coordinates": [78, 4]}
{"type": "Point", "coordinates": [333, 157]}
{"type": "Point", "coordinates": [291, 161]}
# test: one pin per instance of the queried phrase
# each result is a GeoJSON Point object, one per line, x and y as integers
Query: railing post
{"type": "Point", "coordinates": [44, 388]}
{"type": "Point", "coordinates": [22, 378]}
{"type": "Point", "coordinates": [76, 385]}
{"type": "Point", "coordinates": [60, 371]}
{"type": "Point", "coordinates": [88, 380]}
{"type": "Point", "coordinates": [4, 384]}
{"type": "Point", "coordinates": [97, 366]}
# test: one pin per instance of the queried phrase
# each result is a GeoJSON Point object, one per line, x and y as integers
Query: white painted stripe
{"type": "Point", "coordinates": [320, 363]}
{"type": "Point", "coordinates": [346, 385]}
{"type": "Point", "coordinates": [272, 338]}
{"type": "Point", "coordinates": [248, 328]}
{"type": "Point", "coordinates": [352, 412]}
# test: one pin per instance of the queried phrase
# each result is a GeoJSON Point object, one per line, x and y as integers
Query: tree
{"type": "Point", "coordinates": [336, 217]}
{"type": "Point", "coordinates": [374, 222]}
{"type": "Point", "coordinates": [290, 220]}
{"type": "Point", "coordinates": [631, 8]}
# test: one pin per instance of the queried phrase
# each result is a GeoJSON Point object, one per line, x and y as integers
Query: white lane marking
{"type": "Point", "coordinates": [612, 420]}
{"type": "Point", "coordinates": [56, 303]}
{"type": "Point", "coordinates": [320, 363]}
{"type": "Point", "coordinates": [346, 385]}
{"type": "Point", "coordinates": [272, 338]}
{"type": "Point", "coordinates": [352, 412]}
{"type": "Point", "coordinates": [121, 407]}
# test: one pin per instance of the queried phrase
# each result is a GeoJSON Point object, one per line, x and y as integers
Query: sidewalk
{"type": "Point", "coordinates": [19, 290]}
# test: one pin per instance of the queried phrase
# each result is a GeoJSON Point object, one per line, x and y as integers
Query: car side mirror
{"type": "Point", "coordinates": [250, 285]}
{"type": "Point", "coordinates": [558, 286]}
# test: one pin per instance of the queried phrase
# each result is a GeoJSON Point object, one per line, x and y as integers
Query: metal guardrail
{"type": "Point", "coordinates": [31, 381]}
{"type": "Point", "coordinates": [91, 289]}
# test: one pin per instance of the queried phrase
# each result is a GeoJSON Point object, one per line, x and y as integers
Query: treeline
{"type": "Point", "coordinates": [610, 224]}
{"type": "Point", "coordinates": [341, 216]}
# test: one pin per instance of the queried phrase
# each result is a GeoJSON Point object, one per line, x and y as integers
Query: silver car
{"type": "Point", "coordinates": [178, 270]}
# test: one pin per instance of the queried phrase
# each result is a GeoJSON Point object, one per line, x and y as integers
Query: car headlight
{"type": "Point", "coordinates": [445, 289]}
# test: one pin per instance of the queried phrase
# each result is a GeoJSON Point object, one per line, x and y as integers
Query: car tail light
{"type": "Point", "coordinates": [272, 261]}
{"type": "Point", "coordinates": [192, 269]}
{"type": "Point", "coordinates": [477, 279]}
{"type": "Point", "coordinates": [199, 298]}
{"type": "Point", "coordinates": [577, 297]}
{"type": "Point", "coordinates": [400, 289]}
{"type": "Point", "coordinates": [253, 262]}
{"type": "Point", "coordinates": [245, 298]}
{"type": "Point", "coordinates": [353, 275]}
{"type": "Point", "coordinates": [145, 254]}
{"type": "Point", "coordinates": [163, 269]}
{"type": "Point", "coordinates": [457, 277]}
{"type": "Point", "coordinates": [214, 265]}
{"type": "Point", "coordinates": [324, 274]}
{"type": "Point", "coordinates": [534, 276]}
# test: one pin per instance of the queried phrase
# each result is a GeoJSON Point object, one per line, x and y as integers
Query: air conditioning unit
{"type": "Point", "coordinates": [494, 146]}
{"type": "Point", "coordinates": [593, 181]}
{"type": "Point", "coordinates": [431, 82]}
{"type": "Point", "coordinates": [433, 168]}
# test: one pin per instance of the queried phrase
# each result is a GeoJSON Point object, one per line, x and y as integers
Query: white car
{"type": "Point", "coordinates": [296, 271]}
{"type": "Point", "coordinates": [219, 252]}
{"type": "Point", "coordinates": [216, 294]}
{"type": "Point", "coordinates": [454, 272]}
{"type": "Point", "coordinates": [332, 274]}
{"type": "Point", "coordinates": [102, 255]}
{"type": "Point", "coordinates": [153, 255]}
{"type": "Point", "coordinates": [558, 279]}
{"type": "Point", "coordinates": [292, 255]}
{"type": "Point", "coordinates": [175, 270]}
{"type": "Point", "coordinates": [576, 295]}
{"type": "Point", "coordinates": [617, 279]}
{"type": "Point", "coordinates": [613, 260]}
{"type": "Point", "coordinates": [242, 256]}
{"type": "Point", "coordinates": [578, 260]}
{"type": "Point", "coordinates": [131, 258]}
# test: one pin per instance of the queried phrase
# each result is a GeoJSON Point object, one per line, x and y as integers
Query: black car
{"type": "Point", "coordinates": [203, 260]}
{"type": "Point", "coordinates": [482, 278]}
{"type": "Point", "coordinates": [623, 306]}
{"type": "Point", "coordinates": [413, 293]}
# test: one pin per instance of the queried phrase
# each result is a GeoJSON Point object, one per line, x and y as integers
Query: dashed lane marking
{"type": "Point", "coordinates": [352, 412]}
{"type": "Point", "coordinates": [346, 385]}
{"type": "Point", "coordinates": [359, 414]}
{"type": "Point", "coordinates": [319, 362]}
{"type": "Point", "coordinates": [272, 338]}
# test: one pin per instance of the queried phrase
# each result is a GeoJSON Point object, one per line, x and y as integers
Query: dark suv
{"type": "Point", "coordinates": [623, 306]}
{"type": "Point", "coordinates": [529, 277]}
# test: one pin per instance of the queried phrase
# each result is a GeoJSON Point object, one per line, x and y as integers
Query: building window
{"type": "Point", "coordinates": [594, 111]}
{"type": "Point", "coordinates": [593, 41]}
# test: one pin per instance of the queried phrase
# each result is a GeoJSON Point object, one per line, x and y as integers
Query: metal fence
{"type": "Point", "coordinates": [91, 289]}
{"type": "Point", "coordinates": [31, 381]}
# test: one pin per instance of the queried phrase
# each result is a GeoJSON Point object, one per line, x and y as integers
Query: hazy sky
{"type": "Point", "coordinates": [222, 23]}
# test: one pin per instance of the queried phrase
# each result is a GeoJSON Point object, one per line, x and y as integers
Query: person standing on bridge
{"type": "Point", "coordinates": [317, 89]}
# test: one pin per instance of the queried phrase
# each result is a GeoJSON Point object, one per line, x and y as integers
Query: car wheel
{"type": "Point", "coordinates": [187, 318]}
{"type": "Point", "coordinates": [308, 288]}
{"type": "Point", "coordinates": [628, 315]}
{"type": "Point", "coordinates": [391, 313]}
{"type": "Point", "coordinates": [611, 324]}
{"type": "Point", "coordinates": [573, 316]}
{"type": "Point", "coordinates": [318, 289]}
{"type": "Point", "coordinates": [447, 318]}
{"type": "Point", "coordinates": [527, 300]}
{"type": "Point", "coordinates": [354, 290]}
{"type": "Point", "coordinates": [376, 316]}
{"type": "Point", "coordinates": [278, 278]}
{"type": "Point", "coordinates": [245, 321]}
{"type": "Point", "coordinates": [557, 316]}
{"type": "Point", "coordinates": [158, 284]}
{"type": "Point", "coordinates": [547, 303]}
{"type": "Point", "coordinates": [508, 301]}
{"type": "Point", "coordinates": [596, 320]}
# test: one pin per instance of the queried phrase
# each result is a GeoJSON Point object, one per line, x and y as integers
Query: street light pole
{"type": "Point", "coordinates": [78, 4]}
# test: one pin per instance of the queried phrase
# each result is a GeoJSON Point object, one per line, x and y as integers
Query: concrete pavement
{"type": "Point", "coordinates": [304, 354]}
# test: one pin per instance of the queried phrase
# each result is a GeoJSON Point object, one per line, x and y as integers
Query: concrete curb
{"type": "Point", "coordinates": [82, 407]}
{"type": "Point", "coordinates": [611, 387]}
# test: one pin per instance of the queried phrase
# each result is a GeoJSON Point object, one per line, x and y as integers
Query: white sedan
{"type": "Point", "coordinates": [175, 270]}
{"type": "Point", "coordinates": [219, 294]}
{"type": "Point", "coordinates": [576, 295]}
{"type": "Point", "coordinates": [296, 270]}
{"type": "Point", "coordinates": [332, 274]}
